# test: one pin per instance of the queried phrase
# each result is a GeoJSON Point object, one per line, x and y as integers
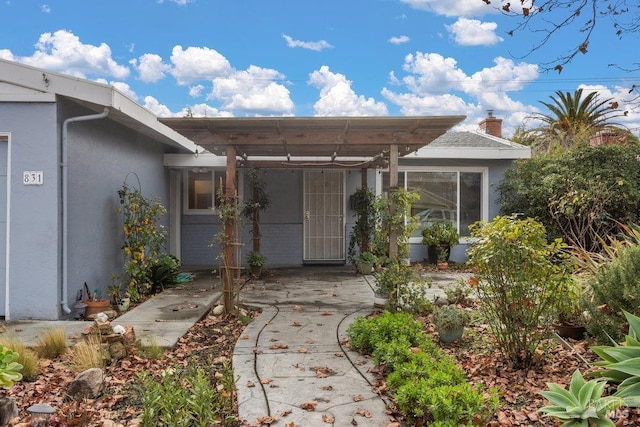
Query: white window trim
{"type": "Point", "coordinates": [484, 189]}
{"type": "Point", "coordinates": [185, 194]}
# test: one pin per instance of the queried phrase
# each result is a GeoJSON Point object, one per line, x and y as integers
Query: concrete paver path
{"type": "Point", "coordinates": [291, 363]}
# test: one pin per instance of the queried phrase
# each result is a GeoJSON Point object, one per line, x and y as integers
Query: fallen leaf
{"type": "Point", "coordinates": [297, 308]}
{"type": "Point", "coordinates": [309, 406]}
{"type": "Point", "coordinates": [358, 398]}
{"type": "Point", "coordinates": [328, 419]}
{"type": "Point", "coordinates": [250, 384]}
{"type": "Point", "coordinates": [266, 380]}
{"type": "Point", "coordinates": [302, 350]}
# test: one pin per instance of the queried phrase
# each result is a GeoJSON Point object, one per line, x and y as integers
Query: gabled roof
{"type": "Point", "coordinates": [473, 145]}
{"type": "Point", "coordinates": [23, 83]}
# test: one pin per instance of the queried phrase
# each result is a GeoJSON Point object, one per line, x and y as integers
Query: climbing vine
{"type": "Point", "coordinates": [144, 238]}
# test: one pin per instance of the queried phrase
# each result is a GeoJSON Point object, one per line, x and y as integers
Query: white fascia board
{"type": "Point", "coordinates": [44, 81]}
{"type": "Point", "coordinates": [471, 153]}
{"type": "Point", "coordinates": [204, 160]}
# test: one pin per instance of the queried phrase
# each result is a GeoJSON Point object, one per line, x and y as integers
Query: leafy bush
{"type": "Point", "coordinates": [185, 397]}
{"type": "Point", "coordinates": [522, 279]}
{"type": "Point", "coordinates": [164, 272]}
{"type": "Point", "coordinates": [368, 333]}
{"type": "Point", "coordinates": [428, 386]}
{"type": "Point", "coordinates": [581, 196]}
{"type": "Point", "coordinates": [616, 287]}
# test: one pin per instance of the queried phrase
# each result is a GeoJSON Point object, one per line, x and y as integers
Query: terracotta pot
{"type": "Point", "coordinates": [442, 265]}
{"type": "Point", "coordinates": [95, 307]}
{"type": "Point", "coordinates": [256, 270]}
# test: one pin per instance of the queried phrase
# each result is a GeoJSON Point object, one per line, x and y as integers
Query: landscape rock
{"type": "Point", "coordinates": [87, 384]}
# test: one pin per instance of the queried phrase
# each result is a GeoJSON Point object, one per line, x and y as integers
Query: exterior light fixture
{"type": "Point", "coordinates": [40, 414]}
{"type": "Point", "coordinates": [195, 154]}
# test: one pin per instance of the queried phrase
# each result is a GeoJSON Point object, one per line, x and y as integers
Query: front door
{"type": "Point", "coordinates": [324, 217]}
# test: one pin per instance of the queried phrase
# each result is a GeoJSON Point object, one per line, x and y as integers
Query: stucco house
{"type": "Point", "coordinates": [68, 144]}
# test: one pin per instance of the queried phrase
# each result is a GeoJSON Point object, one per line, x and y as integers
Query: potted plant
{"type": "Point", "coordinates": [439, 236]}
{"type": "Point", "coordinates": [443, 259]}
{"type": "Point", "coordinates": [256, 261]}
{"type": "Point", "coordinates": [450, 322]}
{"type": "Point", "coordinates": [570, 320]}
{"type": "Point", "coordinates": [120, 300]}
{"type": "Point", "coordinates": [366, 262]}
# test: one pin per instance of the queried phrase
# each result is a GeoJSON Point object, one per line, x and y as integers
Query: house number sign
{"type": "Point", "coordinates": [33, 177]}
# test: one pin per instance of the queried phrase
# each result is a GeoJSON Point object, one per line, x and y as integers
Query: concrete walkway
{"type": "Point", "coordinates": [291, 363]}
{"type": "Point", "coordinates": [161, 320]}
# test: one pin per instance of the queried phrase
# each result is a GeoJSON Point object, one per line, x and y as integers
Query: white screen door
{"type": "Point", "coordinates": [324, 216]}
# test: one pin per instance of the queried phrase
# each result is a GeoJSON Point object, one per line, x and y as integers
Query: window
{"type": "Point", "coordinates": [454, 196]}
{"type": "Point", "coordinates": [201, 188]}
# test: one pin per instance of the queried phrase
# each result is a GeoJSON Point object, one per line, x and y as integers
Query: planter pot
{"type": "Point", "coordinates": [379, 300]}
{"type": "Point", "coordinates": [450, 336]}
{"type": "Point", "coordinates": [123, 304]}
{"type": "Point", "coordinates": [95, 307]}
{"type": "Point", "coordinates": [570, 331]}
{"type": "Point", "coordinates": [432, 254]}
{"type": "Point", "coordinates": [365, 267]}
{"type": "Point", "coordinates": [256, 270]}
{"type": "Point", "coordinates": [442, 265]}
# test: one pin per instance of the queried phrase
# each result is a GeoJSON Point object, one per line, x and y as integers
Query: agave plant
{"type": "Point", "coordinates": [9, 368]}
{"type": "Point", "coordinates": [621, 363]}
{"type": "Point", "coordinates": [582, 404]}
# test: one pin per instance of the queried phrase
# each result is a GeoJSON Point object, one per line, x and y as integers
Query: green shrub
{"type": "Point", "coordinates": [449, 404]}
{"type": "Point", "coordinates": [616, 287]}
{"type": "Point", "coordinates": [427, 384]}
{"type": "Point", "coordinates": [522, 279]}
{"type": "Point", "coordinates": [164, 272]}
{"type": "Point", "coordinates": [186, 397]}
{"type": "Point", "coordinates": [366, 334]}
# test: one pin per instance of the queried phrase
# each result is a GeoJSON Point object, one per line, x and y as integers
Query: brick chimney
{"type": "Point", "coordinates": [491, 125]}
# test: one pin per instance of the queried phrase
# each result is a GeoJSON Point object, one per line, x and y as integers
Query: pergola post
{"type": "Point", "coordinates": [230, 266]}
{"type": "Point", "coordinates": [393, 186]}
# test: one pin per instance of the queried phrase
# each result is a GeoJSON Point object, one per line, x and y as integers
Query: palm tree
{"type": "Point", "coordinates": [573, 119]}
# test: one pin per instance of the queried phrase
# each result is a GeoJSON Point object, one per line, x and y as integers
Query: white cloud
{"type": "Point", "coordinates": [196, 91]}
{"type": "Point", "coordinates": [432, 81]}
{"type": "Point", "coordinates": [253, 91]}
{"type": "Point", "coordinates": [471, 32]}
{"type": "Point", "coordinates": [625, 102]}
{"type": "Point", "coordinates": [7, 55]}
{"type": "Point", "coordinates": [412, 104]}
{"type": "Point", "coordinates": [45, 8]}
{"type": "Point", "coordinates": [317, 46]}
{"type": "Point", "coordinates": [150, 67]}
{"type": "Point", "coordinates": [399, 39]}
{"type": "Point", "coordinates": [432, 73]}
{"type": "Point", "coordinates": [337, 98]}
{"type": "Point", "coordinates": [126, 89]}
{"type": "Point", "coordinates": [198, 63]}
{"type": "Point", "coordinates": [203, 110]}
{"type": "Point", "coordinates": [452, 8]}
{"type": "Point", "coordinates": [62, 51]}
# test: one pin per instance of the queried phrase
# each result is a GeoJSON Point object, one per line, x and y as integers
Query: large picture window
{"type": "Point", "coordinates": [201, 187]}
{"type": "Point", "coordinates": [454, 196]}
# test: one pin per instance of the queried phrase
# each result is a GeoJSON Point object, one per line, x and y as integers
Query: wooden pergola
{"type": "Point", "coordinates": [309, 142]}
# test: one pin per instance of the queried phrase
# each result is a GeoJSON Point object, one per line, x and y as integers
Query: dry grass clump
{"type": "Point", "coordinates": [29, 360]}
{"type": "Point", "coordinates": [52, 344]}
{"type": "Point", "coordinates": [152, 350]}
{"type": "Point", "coordinates": [86, 354]}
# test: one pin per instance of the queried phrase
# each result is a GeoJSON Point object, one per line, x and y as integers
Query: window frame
{"type": "Point", "coordinates": [215, 173]}
{"type": "Point", "coordinates": [484, 190]}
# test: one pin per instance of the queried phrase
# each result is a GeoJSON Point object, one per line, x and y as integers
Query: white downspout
{"type": "Point", "coordinates": [63, 166]}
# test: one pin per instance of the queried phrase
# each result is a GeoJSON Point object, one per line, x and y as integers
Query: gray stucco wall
{"type": "Point", "coordinates": [33, 255]}
{"type": "Point", "coordinates": [101, 155]}
{"type": "Point", "coordinates": [281, 226]}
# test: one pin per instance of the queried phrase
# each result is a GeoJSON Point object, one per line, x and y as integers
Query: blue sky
{"type": "Point", "coordinates": [304, 58]}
